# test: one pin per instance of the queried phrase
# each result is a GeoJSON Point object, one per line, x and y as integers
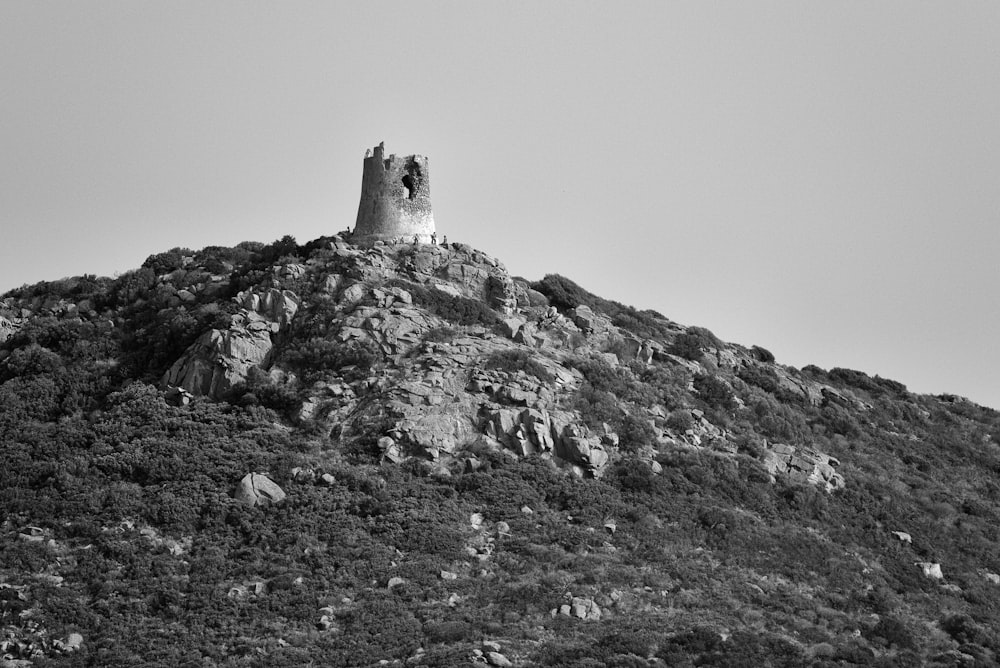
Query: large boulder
{"type": "Point", "coordinates": [256, 489]}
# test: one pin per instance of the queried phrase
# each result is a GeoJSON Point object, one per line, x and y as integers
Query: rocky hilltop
{"type": "Point", "coordinates": [404, 454]}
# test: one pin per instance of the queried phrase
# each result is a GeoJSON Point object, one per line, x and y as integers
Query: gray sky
{"type": "Point", "coordinates": [819, 178]}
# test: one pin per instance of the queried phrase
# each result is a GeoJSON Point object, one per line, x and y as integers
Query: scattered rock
{"type": "Point", "coordinates": [582, 608]}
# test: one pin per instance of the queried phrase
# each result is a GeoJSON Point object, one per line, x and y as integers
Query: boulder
{"type": "Point", "coordinates": [931, 570]}
{"type": "Point", "coordinates": [511, 326]}
{"type": "Point", "coordinates": [256, 489]}
{"type": "Point", "coordinates": [588, 321]}
{"type": "Point", "coordinates": [353, 294]}
{"type": "Point", "coordinates": [497, 659]}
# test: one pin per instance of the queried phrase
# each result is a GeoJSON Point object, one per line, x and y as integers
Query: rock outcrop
{"type": "Point", "coordinates": [804, 465]}
{"type": "Point", "coordinates": [220, 358]}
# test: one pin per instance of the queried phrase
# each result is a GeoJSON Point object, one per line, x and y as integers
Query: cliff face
{"type": "Point", "coordinates": [491, 469]}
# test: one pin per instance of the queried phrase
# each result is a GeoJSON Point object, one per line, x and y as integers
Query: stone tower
{"type": "Point", "coordinates": [395, 199]}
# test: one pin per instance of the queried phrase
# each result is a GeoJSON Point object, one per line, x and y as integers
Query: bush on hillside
{"type": "Point", "coordinates": [456, 309]}
{"type": "Point", "coordinates": [314, 359]}
{"type": "Point", "coordinates": [688, 345]}
{"type": "Point", "coordinates": [515, 360]}
{"type": "Point", "coordinates": [714, 392]}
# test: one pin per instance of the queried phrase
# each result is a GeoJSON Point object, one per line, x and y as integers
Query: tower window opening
{"type": "Point", "coordinates": [409, 191]}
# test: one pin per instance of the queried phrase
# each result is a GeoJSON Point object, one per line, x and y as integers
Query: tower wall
{"type": "Point", "coordinates": [395, 199]}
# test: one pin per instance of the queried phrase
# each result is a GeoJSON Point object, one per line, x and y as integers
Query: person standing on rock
{"type": "Point", "coordinates": [434, 238]}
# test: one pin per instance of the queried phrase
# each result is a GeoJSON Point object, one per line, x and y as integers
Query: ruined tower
{"type": "Point", "coordinates": [395, 199]}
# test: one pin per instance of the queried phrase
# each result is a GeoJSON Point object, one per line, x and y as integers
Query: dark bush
{"type": "Point", "coordinates": [635, 433]}
{"type": "Point", "coordinates": [680, 420]}
{"type": "Point", "coordinates": [456, 309]}
{"type": "Point", "coordinates": [448, 631]}
{"type": "Point", "coordinates": [762, 377]}
{"type": "Point", "coordinates": [714, 392]}
{"type": "Point", "coordinates": [893, 632]}
{"type": "Point", "coordinates": [688, 345]}
{"type": "Point", "coordinates": [562, 292]}
{"type": "Point", "coordinates": [762, 354]}
{"type": "Point", "coordinates": [164, 263]}
{"type": "Point", "coordinates": [315, 358]}
{"type": "Point", "coordinates": [514, 360]}
{"type": "Point", "coordinates": [443, 334]}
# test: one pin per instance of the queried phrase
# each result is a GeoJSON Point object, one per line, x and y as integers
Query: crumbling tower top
{"type": "Point", "coordinates": [395, 199]}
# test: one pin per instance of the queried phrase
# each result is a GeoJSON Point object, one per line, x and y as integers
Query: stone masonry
{"type": "Point", "coordinates": [395, 200]}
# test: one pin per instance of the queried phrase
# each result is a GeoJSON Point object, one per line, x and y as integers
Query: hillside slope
{"type": "Point", "coordinates": [283, 454]}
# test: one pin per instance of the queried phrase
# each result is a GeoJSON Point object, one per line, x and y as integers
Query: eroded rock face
{"type": "Point", "coordinates": [7, 329]}
{"type": "Point", "coordinates": [531, 431]}
{"type": "Point", "coordinates": [220, 358]}
{"type": "Point", "coordinates": [804, 465]}
{"type": "Point", "coordinates": [275, 305]}
{"type": "Point", "coordinates": [395, 330]}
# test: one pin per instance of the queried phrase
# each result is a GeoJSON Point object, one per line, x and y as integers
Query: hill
{"type": "Point", "coordinates": [321, 454]}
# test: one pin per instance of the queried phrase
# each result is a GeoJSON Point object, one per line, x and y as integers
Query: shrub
{"type": "Point", "coordinates": [457, 309]}
{"type": "Point", "coordinates": [448, 631]}
{"type": "Point", "coordinates": [443, 334]}
{"type": "Point", "coordinates": [598, 407]}
{"type": "Point", "coordinates": [893, 632]}
{"type": "Point", "coordinates": [762, 377]}
{"type": "Point", "coordinates": [562, 292]}
{"type": "Point", "coordinates": [687, 345]}
{"type": "Point", "coordinates": [680, 420]}
{"type": "Point", "coordinates": [762, 354]}
{"type": "Point", "coordinates": [316, 357]}
{"type": "Point", "coordinates": [164, 263]}
{"type": "Point", "coordinates": [714, 392]}
{"type": "Point", "coordinates": [635, 433]}
{"type": "Point", "coordinates": [512, 361]}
